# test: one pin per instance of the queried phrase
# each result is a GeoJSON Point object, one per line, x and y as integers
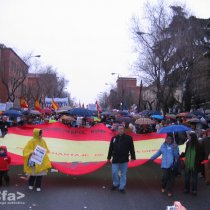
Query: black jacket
{"type": "Point", "coordinates": [120, 148]}
{"type": "Point", "coordinates": [198, 154]}
{"type": "Point", "coordinates": [206, 147]}
{"type": "Point", "coordinates": [4, 127]}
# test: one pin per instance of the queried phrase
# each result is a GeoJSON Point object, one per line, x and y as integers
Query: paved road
{"type": "Point", "coordinates": [92, 192]}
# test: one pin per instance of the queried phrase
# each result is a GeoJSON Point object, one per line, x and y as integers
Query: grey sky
{"type": "Point", "coordinates": [85, 40]}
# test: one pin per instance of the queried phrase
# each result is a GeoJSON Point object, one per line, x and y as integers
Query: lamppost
{"type": "Point", "coordinates": [140, 91]}
{"type": "Point", "coordinates": [140, 34]}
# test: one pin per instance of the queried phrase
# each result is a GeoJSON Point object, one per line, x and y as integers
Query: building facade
{"type": "Point", "coordinates": [13, 71]}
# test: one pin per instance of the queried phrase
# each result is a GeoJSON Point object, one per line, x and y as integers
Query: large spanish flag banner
{"type": "Point", "coordinates": [78, 151]}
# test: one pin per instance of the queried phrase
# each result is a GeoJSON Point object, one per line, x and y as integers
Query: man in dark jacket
{"type": "Point", "coordinates": [121, 147]}
{"type": "Point", "coordinates": [4, 126]}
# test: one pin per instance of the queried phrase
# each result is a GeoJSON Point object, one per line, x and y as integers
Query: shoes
{"type": "Point", "coordinates": [113, 188]}
{"type": "Point", "coordinates": [163, 190]}
{"type": "Point", "coordinates": [122, 191]}
{"type": "Point", "coordinates": [194, 193]}
{"type": "Point", "coordinates": [30, 187]}
{"type": "Point", "coordinates": [38, 189]}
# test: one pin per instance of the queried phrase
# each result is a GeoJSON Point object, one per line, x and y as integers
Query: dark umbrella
{"type": "Point", "coordinates": [185, 114]}
{"type": "Point", "coordinates": [124, 113]}
{"type": "Point", "coordinates": [106, 113]}
{"type": "Point", "coordinates": [16, 109]}
{"type": "Point", "coordinates": [13, 113]}
{"type": "Point", "coordinates": [154, 113]}
{"type": "Point", "coordinates": [80, 112]}
{"type": "Point", "coordinates": [94, 113]}
{"type": "Point", "coordinates": [198, 113]}
{"type": "Point", "coordinates": [124, 119]}
{"type": "Point", "coordinates": [193, 120]}
{"type": "Point", "coordinates": [25, 112]}
{"type": "Point", "coordinates": [34, 112]}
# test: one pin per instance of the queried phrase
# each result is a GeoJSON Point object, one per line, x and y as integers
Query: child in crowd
{"type": "Point", "coordinates": [4, 165]}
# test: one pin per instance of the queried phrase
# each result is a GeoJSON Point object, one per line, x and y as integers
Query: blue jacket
{"type": "Point", "coordinates": [169, 154]}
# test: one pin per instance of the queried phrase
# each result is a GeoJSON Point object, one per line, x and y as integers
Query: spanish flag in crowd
{"type": "Point", "coordinates": [54, 104]}
{"type": "Point", "coordinates": [23, 103]}
{"type": "Point", "coordinates": [99, 110]}
{"type": "Point", "coordinates": [37, 105]}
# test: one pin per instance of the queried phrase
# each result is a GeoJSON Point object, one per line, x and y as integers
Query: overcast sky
{"type": "Point", "coordinates": [85, 40]}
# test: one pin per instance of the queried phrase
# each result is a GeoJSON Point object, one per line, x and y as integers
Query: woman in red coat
{"type": "Point", "coordinates": [4, 165]}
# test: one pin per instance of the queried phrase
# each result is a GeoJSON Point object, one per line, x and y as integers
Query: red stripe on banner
{"type": "Point", "coordinates": [16, 159]}
{"type": "Point", "coordinates": [205, 161]}
{"type": "Point", "coordinates": [136, 163]}
{"type": "Point", "coordinates": [98, 132]}
{"type": "Point", "coordinates": [158, 161]}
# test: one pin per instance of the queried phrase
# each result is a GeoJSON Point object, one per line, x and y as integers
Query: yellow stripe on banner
{"type": "Point", "coordinates": [80, 151]}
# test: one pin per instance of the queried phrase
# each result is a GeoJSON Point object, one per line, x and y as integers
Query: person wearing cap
{"type": "Point", "coordinates": [33, 170]}
{"type": "Point", "coordinates": [120, 148]}
{"type": "Point", "coordinates": [206, 151]}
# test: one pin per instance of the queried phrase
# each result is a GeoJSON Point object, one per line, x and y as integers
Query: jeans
{"type": "Point", "coordinates": [119, 180]}
{"type": "Point", "coordinates": [188, 176]}
{"type": "Point", "coordinates": [4, 174]}
{"type": "Point", "coordinates": [168, 179]}
{"type": "Point", "coordinates": [37, 180]}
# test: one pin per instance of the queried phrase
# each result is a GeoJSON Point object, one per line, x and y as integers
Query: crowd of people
{"type": "Point", "coordinates": [195, 161]}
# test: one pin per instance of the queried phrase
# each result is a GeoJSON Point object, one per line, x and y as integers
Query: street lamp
{"type": "Point", "coordinates": [140, 34]}
{"type": "Point", "coordinates": [35, 56]}
{"type": "Point", "coordinates": [140, 91]}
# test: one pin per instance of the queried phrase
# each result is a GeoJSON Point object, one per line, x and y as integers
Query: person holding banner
{"type": "Point", "coordinates": [121, 147]}
{"type": "Point", "coordinates": [36, 160]}
{"type": "Point", "coordinates": [170, 154]}
{"type": "Point", "coordinates": [192, 156]}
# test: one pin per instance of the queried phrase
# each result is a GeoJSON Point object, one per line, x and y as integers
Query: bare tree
{"type": "Point", "coordinates": [13, 79]}
{"type": "Point", "coordinates": [44, 82]}
{"type": "Point", "coordinates": [155, 51]}
{"type": "Point", "coordinates": [170, 51]}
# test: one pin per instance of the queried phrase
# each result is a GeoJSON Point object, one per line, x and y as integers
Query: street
{"type": "Point", "coordinates": [92, 191]}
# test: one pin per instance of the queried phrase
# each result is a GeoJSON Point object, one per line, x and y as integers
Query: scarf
{"type": "Point", "coordinates": [190, 158]}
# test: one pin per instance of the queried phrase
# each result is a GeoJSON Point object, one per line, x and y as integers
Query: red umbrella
{"type": "Point", "coordinates": [185, 114]}
{"type": "Point", "coordinates": [47, 111]}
